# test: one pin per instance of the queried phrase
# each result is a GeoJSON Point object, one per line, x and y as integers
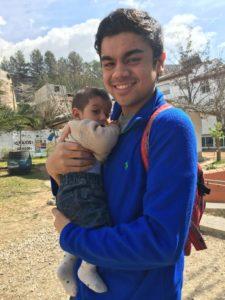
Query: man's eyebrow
{"type": "Point", "coordinates": [105, 57]}
{"type": "Point", "coordinates": [134, 51]}
{"type": "Point", "coordinates": [127, 54]}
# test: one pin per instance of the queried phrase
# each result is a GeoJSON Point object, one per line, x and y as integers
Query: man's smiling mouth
{"type": "Point", "coordinates": [123, 86]}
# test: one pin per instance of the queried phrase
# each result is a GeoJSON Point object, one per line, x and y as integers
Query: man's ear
{"type": "Point", "coordinates": [76, 113]}
{"type": "Point", "coordinates": [160, 64]}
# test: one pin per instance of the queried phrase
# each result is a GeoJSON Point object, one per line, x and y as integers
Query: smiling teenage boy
{"type": "Point", "coordinates": [141, 256]}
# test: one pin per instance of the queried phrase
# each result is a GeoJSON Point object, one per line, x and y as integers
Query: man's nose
{"type": "Point", "coordinates": [121, 71]}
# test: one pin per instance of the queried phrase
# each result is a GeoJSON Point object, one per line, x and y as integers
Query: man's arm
{"type": "Point", "coordinates": [68, 157]}
{"type": "Point", "coordinates": [157, 238]}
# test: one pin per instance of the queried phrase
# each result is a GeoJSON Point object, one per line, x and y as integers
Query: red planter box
{"type": "Point", "coordinates": [215, 180]}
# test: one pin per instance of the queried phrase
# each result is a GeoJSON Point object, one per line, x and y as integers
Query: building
{"type": "Point", "coordinates": [195, 89]}
{"type": "Point", "coordinates": [7, 95]}
{"type": "Point", "coordinates": [53, 102]}
{"type": "Point", "coordinates": [208, 142]}
{"type": "Point", "coordinates": [52, 94]}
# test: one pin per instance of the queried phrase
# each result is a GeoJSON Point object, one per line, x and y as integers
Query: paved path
{"type": "Point", "coordinates": [212, 224]}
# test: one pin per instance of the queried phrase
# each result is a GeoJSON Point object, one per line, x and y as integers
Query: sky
{"type": "Point", "coordinates": [63, 26]}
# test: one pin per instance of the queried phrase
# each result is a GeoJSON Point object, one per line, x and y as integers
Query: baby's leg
{"type": "Point", "coordinates": [65, 274]}
{"type": "Point", "coordinates": [87, 273]}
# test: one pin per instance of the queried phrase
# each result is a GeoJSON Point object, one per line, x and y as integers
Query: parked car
{"type": "Point", "coordinates": [19, 162]}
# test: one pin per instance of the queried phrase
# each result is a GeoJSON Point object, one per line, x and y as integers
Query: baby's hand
{"type": "Point", "coordinates": [65, 132]}
{"type": "Point", "coordinates": [114, 122]}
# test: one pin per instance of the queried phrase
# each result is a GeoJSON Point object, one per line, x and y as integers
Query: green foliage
{"type": "Point", "coordinates": [18, 65]}
{"type": "Point", "coordinates": [218, 134]}
{"type": "Point", "coordinates": [11, 120]}
{"type": "Point", "coordinates": [1, 92]}
{"type": "Point", "coordinates": [36, 66]}
{"type": "Point", "coordinates": [215, 165]}
{"type": "Point", "coordinates": [72, 71]}
{"type": "Point", "coordinates": [4, 153]}
{"type": "Point", "coordinates": [217, 131]}
{"type": "Point", "coordinates": [50, 65]}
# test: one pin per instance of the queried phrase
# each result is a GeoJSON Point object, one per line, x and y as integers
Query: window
{"type": "Point", "coordinates": [56, 88]}
{"type": "Point", "coordinates": [207, 142]}
{"type": "Point", "coordinates": [205, 88]}
{"type": "Point", "coordinates": [222, 142]}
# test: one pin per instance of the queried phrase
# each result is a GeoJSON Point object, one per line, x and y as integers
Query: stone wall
{"type": "Point", "coordinates": [8, 97]}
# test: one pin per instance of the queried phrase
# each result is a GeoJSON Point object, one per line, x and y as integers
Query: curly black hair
{"type": "Point", "coordinates": [135, 21]}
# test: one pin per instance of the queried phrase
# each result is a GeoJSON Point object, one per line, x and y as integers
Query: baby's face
{"type": "Point", "coordinates": [97, 110]}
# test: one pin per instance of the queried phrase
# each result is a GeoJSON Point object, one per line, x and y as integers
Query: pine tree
{"type": "Point", "coordinates": [36, 66]}
{"type": "Point", "coordinates": [50, 64]}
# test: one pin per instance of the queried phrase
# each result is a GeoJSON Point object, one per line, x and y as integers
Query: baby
{"type": "Point", "coordinates": [81, 197]}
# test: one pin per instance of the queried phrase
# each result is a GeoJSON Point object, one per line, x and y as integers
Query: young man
{"type": "Point", "coordinates": [141, 256]}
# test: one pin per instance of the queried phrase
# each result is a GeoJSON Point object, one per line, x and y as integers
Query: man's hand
{"type": "Point", "coordinates": [60, 220]}
{"type": "Point", "coordinates": [68, 157]}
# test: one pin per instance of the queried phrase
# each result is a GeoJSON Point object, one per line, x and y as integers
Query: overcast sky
{"type": "Point", "coordinates": [70, 25]}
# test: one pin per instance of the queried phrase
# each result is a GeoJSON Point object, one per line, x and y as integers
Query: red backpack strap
{"type": "Point", "coordinates": [145, 136]}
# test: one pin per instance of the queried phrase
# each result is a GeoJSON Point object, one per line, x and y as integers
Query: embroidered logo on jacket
{"type": "Point", "coordinates": [126, 165]}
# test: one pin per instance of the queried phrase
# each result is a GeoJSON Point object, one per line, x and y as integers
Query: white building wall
{"type": "Point", "coordinates": [34, 141]}
{"type": "Point", "coordinates": [197, 122]}
{"type": "Point", "coordinates": [207, 123]}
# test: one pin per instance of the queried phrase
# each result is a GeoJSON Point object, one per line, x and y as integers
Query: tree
{"type": "Point", "coordinates": [18, 65]}
{"type": "Point", "coordinates": [192, 64]}
{"type": "Point", "coordinates": [5, 65]}
{"type": "Point", "coordinates": [36, 67]}
{"type": "Point", "coordinates": [75, 63]}
{"type": "Point", "coordinates": [11, 120]}
{"type": "Point", "coordinates": [199, 82]}
{"type": "Point", "coordinates": [216, 94]}
{"type": "Point", "coordinates": [218, 134]}
{"type": "Point", "coordinates": [50, 64]}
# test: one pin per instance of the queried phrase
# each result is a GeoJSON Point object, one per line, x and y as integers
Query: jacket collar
{"type": "Point", "coordinates": [144, 113]}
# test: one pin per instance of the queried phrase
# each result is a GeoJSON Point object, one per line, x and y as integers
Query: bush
{"type": "Point", "coordinates": [4, 153]}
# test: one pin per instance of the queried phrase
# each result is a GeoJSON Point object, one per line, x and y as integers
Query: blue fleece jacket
{"type": "Point", "coordinates": [141, 256]}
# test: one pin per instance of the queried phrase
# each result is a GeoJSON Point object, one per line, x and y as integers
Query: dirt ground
{"type": "Point", "coordinates": [29, 255]}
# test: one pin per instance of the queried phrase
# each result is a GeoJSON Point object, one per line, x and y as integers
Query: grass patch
{"type": "Point", "coordinates": [216, 165]}
{"type": "Point", "coordinates": [3, 164]}
{"type": "Point", "coordinates": [14, 188]}
{"type": "Point", "coordinates": [39, 160]}
{"type": "Point", "coordinates": [221, 162]}
{"type": "Point", "coordinates": [215, 212]}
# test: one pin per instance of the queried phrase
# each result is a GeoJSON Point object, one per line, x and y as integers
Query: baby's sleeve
{"type": "Point", "coordinates": [92, 136]}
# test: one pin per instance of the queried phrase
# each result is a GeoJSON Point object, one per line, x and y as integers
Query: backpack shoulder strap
{"type": "Point", "coordinates": [145, 136]}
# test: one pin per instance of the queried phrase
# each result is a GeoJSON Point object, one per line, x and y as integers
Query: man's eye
{"type": "Point", "coordinates": [133, 59]}
{"type": "Point", "coordinates": [108, 65]}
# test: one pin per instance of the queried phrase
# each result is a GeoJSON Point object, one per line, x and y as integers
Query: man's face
{"type": "Point", "coordinates": [129, 74]}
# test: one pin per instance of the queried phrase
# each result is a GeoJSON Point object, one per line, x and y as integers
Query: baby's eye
{"type": "Point", "coordinates": [96, 111]}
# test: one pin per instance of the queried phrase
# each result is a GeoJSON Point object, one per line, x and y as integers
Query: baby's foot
{"type": "Point", "coordinates": [65, 275]}
{"type": "Point", "coordinates": [88, 275]}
